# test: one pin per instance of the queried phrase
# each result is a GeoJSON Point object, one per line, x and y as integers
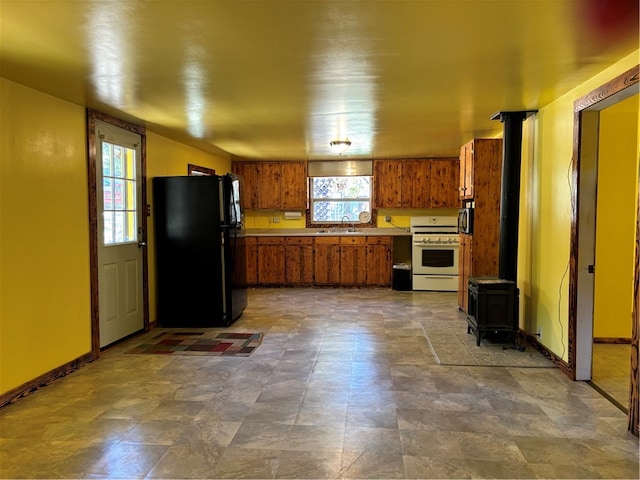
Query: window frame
{"type": "Point", "coordinates": [311, 223]}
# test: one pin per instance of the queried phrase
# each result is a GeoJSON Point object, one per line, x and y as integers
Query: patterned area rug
{"type": "Point", "coordinates": [201, 343]}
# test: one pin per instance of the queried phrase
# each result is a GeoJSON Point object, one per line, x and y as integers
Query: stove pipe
{"type": "Point", "coordinates": [510, 192]}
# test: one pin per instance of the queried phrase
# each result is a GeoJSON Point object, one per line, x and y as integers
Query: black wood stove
{"type": "Point", "coordinates": [493, 301]}
{"type": "Point", "coordinates": [492, 308]}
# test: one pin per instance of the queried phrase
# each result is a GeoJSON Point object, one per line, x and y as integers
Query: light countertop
{"type": "Point", "coordinates": [314, 232]}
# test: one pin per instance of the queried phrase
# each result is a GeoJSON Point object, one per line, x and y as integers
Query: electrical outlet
{"type": "Point", "coordinates": [387, 219]}
{"type": "Point", "coordinates": [276, 219]}
{"type": "Point", "coordinates": [539, 332]}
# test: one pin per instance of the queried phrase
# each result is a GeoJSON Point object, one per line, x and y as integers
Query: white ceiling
{"type": "Point", "coordinates": [271, 79]}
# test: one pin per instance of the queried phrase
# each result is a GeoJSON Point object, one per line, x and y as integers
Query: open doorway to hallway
{"type": "Point", "coordinates": [616, 195]}
{"type": "Point", "coordinates": [587, 272]}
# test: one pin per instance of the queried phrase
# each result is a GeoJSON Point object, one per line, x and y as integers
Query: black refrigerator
{"type": "Point", "coordinates": [200, 251]}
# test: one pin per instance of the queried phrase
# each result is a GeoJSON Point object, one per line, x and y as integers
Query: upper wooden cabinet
{"type": "Point", "coordinates": [430, 183]}
{"type": "Point", "coordinates": [387, 183]}
{"type": "Point", "coordinates": [294, 186]}
{"type": "Point", "coordinates": [479, 159]}
{"type": "Point", "coordinates": [273, 185]}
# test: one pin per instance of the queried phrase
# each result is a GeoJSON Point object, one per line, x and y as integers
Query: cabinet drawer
{"type": "Point", "coordinates": [379, 240]}
{"type": "Point", "coordinates": [322, 240]}
{"type": "Point", "coordinates": [353, 240]}
{"type": "Point", "coordinates": [270, 240]}
{"type": "Point", "coordinates": [299, 240]}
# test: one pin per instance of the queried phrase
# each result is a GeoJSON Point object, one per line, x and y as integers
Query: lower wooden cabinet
{"type": "Point", "coordinates": [298, 261]}
{"type": "Point", "coordinates": [321, 260]}
{"type": "Point", "coordinates": [353, 261]}
{"type": "Point", "coordinates": [251, 246]}
{"type": "Point", "coordinates": [379, 261]}
{"type": "Point", "coordinates": [271, 260]}
{"type": "Point", "coordinates": [326, 260]}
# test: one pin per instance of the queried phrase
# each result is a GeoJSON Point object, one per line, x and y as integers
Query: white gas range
{"type": "Point", "coordinates": [434, 253]}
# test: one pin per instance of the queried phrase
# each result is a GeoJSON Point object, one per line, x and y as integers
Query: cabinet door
{"type": "Point", "coordinates": [299, 261]}
{"type": "Point", "coordinates": [269, 185]}
{"type": "Point", "coordinates": [379, 261]}
{"type": "Point", "coordinates": [387, 183]}
{"type": "Point", "coordinates": [444, 179]}
{"type": "Point", "coordinates": [252, 260]}
{"type": "Point", "coordinates": [466, 171]}
{"type": "Point", "coordinates": [271, 261]}
{"type": "Point", "coordinates": [327, 261]}
{"type": "Point", "coordinates": [464, 271]}
{"type": "Point", "coordinates": [469, 172]}
{"type": "Point", "coordinates": [307, 267]}
{"type": "Point", "coordinates": [463, 166]}
{"type": "Point", "coordinates": [416, 183]}
{"type": "Point", "coordinates": [294, 186]}
{"type": "Point", "coordinates": [353, 261]}
{"type": "Point", "coordinates": [248, 171]}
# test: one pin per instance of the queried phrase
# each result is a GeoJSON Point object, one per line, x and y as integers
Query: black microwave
{"type": "Point", "coordinates": [465, 220]}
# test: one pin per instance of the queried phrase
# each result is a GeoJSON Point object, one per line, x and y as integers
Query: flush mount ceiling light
{"type": "Point", "coordinates": [339, 146]}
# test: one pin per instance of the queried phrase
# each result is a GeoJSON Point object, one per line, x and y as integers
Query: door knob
{"type": "Point", "coordinates": [142, 244]}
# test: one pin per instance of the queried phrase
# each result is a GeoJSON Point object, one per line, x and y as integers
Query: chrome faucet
{"type": "Point", "coordinates": [350, 228]}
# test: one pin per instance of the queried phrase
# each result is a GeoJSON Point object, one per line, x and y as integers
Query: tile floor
{"type": "Point", "coordinates": [611, 370]}
{"type": "Point", "coordinates": [344, 385]}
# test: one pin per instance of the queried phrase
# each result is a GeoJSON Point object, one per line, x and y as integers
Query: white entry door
{"type": "Point", "coordinates": [120, 249]}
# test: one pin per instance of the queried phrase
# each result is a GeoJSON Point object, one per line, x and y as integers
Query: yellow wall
{"type": "Point", "coordinates": [45, 316]}
{"type": "Point", "coordinates": [548, 212]}
{"type": "Point", "coordinates": [615, 228]}
{"type": "Point", "coordinates": [399, 218]}
{"type": "Point", "coordinates": [167, 158]}
{"type": "Point", "coordinates": [265, 219]}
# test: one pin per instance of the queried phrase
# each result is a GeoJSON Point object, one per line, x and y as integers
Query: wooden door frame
{"type": "Point", "coordinates": [611, 92]}
{"type": "Point", "coordinates": [92, 117]}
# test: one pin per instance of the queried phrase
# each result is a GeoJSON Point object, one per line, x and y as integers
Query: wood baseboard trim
{"type": "Point", "coordinates": [559, 362]}
{"type": "Point", "coordinates": [612, 340]}
{"type": "Point", "coordinates": [45, 379]}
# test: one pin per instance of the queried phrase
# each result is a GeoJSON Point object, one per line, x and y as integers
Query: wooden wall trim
{"type": "Point", "coordinates": [612, 340]}
{"type": "Point", "coordinates": [612, 87]}
{"type": "Point", "coordinates": [558, 361]}
{"type": "Point", "coordinates": [93, 232]}
{"type": "Point", "coordinates": [634, 395]}
{"type": "Point", "coordinates": [193, 169]}
{"type": "Point", "coordinates": [45, 379]}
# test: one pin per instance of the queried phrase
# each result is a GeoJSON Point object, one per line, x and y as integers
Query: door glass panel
{"type": "Point", "coordinates": [119, 227]}
{"type": "Point", "coordinates": [118, 170]}
{"type": "Point", "coordinates": [108, 228]}
{"type": "Point", "coordinates": [131, 164]}
{"type": "Point", "coordinates": [107, 193]}
{"type": "Point", "coordinates": [107, 155]}
{"type": "Point", "coordinates": [119, 194]}
{"type": "Point", "coordinates": [131, 195]}
{"type": "Point", "coordinates": [131, 227]}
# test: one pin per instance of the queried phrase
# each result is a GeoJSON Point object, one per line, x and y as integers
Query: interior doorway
{"type": "Point", "coordinates": [583, 234]}
{"type": "Point", "coordinates": [615, 236]}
